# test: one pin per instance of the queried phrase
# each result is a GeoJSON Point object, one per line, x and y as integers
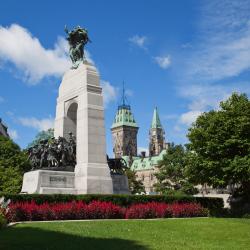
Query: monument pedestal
{"type": "Point", "coordinates": [49, 182]}
{"type": "Point", "coordinates": [63, 182]}
{"type": "Point", "coordinates": [120, 184]}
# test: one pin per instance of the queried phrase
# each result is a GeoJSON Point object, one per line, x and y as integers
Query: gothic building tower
{"type": "Point", "coordinates": [124, 132]}
{"type": "Point", "coordinates": [156, 135]}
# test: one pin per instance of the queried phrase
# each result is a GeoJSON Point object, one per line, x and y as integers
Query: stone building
{"type": "Point", "coordinates": [145, 168]}
{"type": "Point", "coordinates": [3, 129]}
{"type": "Point", "coordinates": [124, 132]}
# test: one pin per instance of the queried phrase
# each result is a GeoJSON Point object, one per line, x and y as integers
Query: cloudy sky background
{"type": "Point", "coordinates": [182, 56]}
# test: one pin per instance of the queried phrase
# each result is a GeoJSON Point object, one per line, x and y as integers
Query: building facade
{"type": "Point", "coordinates": [145, 168]}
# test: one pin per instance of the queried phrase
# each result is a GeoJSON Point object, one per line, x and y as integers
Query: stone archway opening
{"type": "Point", "coordinates": [72, 119]}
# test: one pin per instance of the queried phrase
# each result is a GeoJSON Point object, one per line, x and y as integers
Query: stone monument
{"type": "Point", "coordinates": [80, 111]}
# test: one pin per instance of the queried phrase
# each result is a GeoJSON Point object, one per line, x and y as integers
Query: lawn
{"type": "Point", "coordinates": [206, 233]}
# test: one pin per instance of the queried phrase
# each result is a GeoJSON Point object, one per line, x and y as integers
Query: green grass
{"type": "Point", "coordinates": [206, 233]}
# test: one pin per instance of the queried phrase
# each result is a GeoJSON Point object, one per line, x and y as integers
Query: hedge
{"type": "Point", "coordinates": [213, 204]}
{"type": "Point", "coordinates": [75, 210]}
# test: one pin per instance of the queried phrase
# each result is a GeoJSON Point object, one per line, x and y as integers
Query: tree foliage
{"type": "Point", "coordinates": [42, 135]}
{"type": "Point", "coordinates": [171, 172]}
{"type": "Point", "coordinates": [220, 145]}
{"type": "Point", "coordinates": [135, 186]}
{"type": "Point", "coordinates": [13, 163]}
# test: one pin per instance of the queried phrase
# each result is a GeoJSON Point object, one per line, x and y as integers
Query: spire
{"type": "Point", "coordinates": [124, 103]}
{"type": "Point", "coordinates": [156, 123]}
{"type": "Point", "coordinates": [123, 94]}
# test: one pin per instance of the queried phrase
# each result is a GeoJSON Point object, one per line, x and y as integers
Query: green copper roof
{"type": "Point", "coordinates": [124, 117]}
{"type": "Point", "coordinates": [156, 123]}
{"type": "Point", "coordinates": [146, 163]}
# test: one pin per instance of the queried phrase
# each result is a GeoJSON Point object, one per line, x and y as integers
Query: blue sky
{"type": "Point", "coordinates": [182, 56]}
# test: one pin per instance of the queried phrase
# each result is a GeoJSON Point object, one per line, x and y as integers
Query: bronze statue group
{"type": "Point", "coordinates": [56, 154]}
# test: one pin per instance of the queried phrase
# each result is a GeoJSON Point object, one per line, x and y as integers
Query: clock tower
{"type": "Point", "coordinates": [124, 131]}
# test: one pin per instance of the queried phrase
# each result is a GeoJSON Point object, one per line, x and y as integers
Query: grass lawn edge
{"type": "Point", "coordinates": [51, 221]}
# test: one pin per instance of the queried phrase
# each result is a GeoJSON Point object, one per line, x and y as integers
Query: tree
{"type": "Point", "coordinates": [135, 186]}
{"type": "Point", "coordinates": [13, 163]}
{"type": "Point", "coordinates": [43, 135]}
{"type": "Point", "coordinates": [220, 146]}
{"type": "Point", "coordinates": [171, 174]}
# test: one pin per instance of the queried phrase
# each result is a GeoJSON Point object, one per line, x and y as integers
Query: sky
{"type": "Point", "coordinates": [182, 56]}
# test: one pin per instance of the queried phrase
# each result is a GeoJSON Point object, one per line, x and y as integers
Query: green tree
{"type": "Point", "coordinates": [42, 135]}
{"type": "Point", "coordinates": [171, 172]}
{"type": "Point", "coordinates": [220, 146]}
{"type": "Point", "coordinates": [135, 186]}
{"type": "Point", "coordinates": [13, 163]}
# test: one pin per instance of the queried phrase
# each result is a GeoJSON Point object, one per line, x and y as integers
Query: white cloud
{"type": "Point", "coordinates": [170, 117]}
{"type": "Point", "coordinates": [186, 46]}
{"type": "Point", "coordinates": [19, 47]}
{"type": "Point", "coordinates": [208, 96]}
{"type": "Point", "coordinates": [109, 92]}
{"type": "Point", "coordinates": [143, 149]}
{"type": "Point", "coordinates": [189, 117]}
{"type": "Point", "coordinates": [139, 41]}
{"type": "Point", "coordinates": [224, 43]}
{"type": "Point", "coordinates": [1, 99]}
{"type": "Point", "coordinates": [32, 122]}
{"type": "Point", "coordinates": [9, 113]}
{"type": "Point", "coordinates": [13, 134]}
{"type": "Point", "coordinates": [163, 61]}
{"type": "Point", "coordinates": [178, 128]}
{"type": "Point", "coordinates": [204, 97]}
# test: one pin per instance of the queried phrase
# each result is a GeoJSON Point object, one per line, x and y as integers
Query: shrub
{"type": "Point", "coordinates": [105, 210]}
{"type": "Point", "coordinates": [188, 210]}
{"type": "Point", "coordinates": [213, 204]}
{"type": "Point", "coordinates": [31, 211]}
{"type": "Point", "coordinates": [146, 211]}
{"type": "Point", "coordinates": [163, 210]}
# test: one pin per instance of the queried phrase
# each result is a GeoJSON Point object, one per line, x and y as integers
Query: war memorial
{"type": "Point", "coordinates": [75, 160]}
{"type": "Point", "coordinates": [161, 164]}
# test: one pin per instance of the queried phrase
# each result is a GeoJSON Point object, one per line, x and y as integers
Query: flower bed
{"type": "Point", "coordinates": [31, 211]}
{"type": "Point", "coordinates": [163, 210]}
